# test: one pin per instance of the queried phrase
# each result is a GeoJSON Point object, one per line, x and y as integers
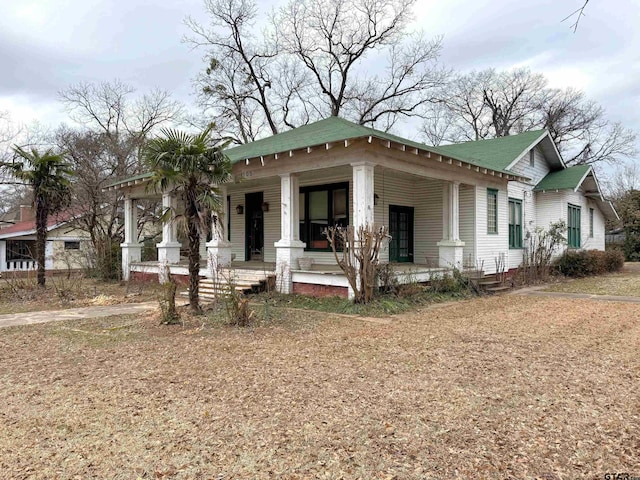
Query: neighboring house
{"type": "Point", "coordinates": [466, 205]}
{"type": "Point", "coordinates": [66, 247]}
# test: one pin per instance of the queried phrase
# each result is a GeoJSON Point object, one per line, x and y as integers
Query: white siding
{"type": "Point", "coordinates": [428, 220]}
{"type": "Point", "coordinates": [490, 246]}
{"type": "Point", "coordinates": [535, 173]}
{"type": "Point", "coordinates": [597, 242]}
{"type": "Point", "coordinates": [271, 195]}
{"type": "Point", "coordinates": [522, 191]}
{"type": "Point", "coordinates": [467, 223]}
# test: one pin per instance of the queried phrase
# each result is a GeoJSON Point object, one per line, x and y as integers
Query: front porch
{"type": "Point", "coordinates": [279, 204]}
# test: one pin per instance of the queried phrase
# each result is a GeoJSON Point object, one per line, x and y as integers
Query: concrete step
{"type": "Point", "coordinates": [501, 288]}
{"type": "Point", "coordinates": [489, 283]}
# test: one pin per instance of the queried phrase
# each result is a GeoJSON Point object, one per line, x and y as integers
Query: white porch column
{"type": "Point", "coordinates": [451, 247]}
{"type": "Point", "coordinates": [3, 255]}
{"type": "Point", "coordinates": [289, 248]}
{"type": "Point", "coordinates": [363, 191]}
{"type": "Point", "coordinates": [219, 249]}
{"type": "Point", "coordinates": [169, 247]}
{"type": "Point", "coordinates": [131, 249]}
{"type": "Point", "coordinates": [363, 183]}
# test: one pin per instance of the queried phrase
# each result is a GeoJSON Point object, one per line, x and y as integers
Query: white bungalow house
{"type": "Point", "coordinates": [66, 247]}
{"type": "Point", "coordinates": [468, 204]}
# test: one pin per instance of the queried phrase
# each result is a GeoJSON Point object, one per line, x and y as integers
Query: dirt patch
{"type": "Point", "coordinates": [500, 387]}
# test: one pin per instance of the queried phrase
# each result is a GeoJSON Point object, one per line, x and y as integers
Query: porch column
{"type": "Point", "coordinates": [289, 248]}
{"type": "Point", "coordinates": [451, 247]}
{"type": "Point", "coordinates": [219, 249]}
{"type": "Point", "coordinates": [363, 183]}
{"type": "Point", "coordinates": [131, 249]}
{"type": "Point", "coordinates": [169, 247]}
{"type": "Point", "coordinates": [3, 255]}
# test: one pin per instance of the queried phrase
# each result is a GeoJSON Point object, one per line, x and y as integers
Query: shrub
{"type": "Point", "coordinates": [582, 263]}
{"type": "Point", "coordinates": [447, 282]}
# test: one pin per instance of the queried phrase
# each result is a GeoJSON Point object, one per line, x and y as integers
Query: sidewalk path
{"type": "Point", "coordinates": [29, 318]}
{"type": "Point", "coordinates": [537, 291]}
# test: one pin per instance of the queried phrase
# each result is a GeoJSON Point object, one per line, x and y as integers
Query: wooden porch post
{"type": "Point", "coordinates": [131, 249]}
{"type": "Point", "coordinates": [219, 249]}
{"type": "Point", "coordinates": [451, 247]}
{"type": "Point", "coordinates": [289, 248]}
{"type": "Point", "coordinates": [363, 190]}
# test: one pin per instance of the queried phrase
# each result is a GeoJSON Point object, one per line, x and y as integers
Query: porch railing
{"type": "Point", "coordinates": [21, 265]}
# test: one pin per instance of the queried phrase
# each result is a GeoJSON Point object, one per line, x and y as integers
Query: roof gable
{"type": "Point", "coordinates": [567, 179]}
{"type": "Point", "coordinates": [497, 153]}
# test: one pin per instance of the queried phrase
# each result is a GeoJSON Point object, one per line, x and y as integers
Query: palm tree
{"type": "Point", "coordinates": [48, 175]}
{"type": "Point", "coordinates": [190, 166]}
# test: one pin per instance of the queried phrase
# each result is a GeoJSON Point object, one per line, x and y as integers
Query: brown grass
{"type": "Point", "coordinates": [625, 283]}
{"type": "Point", "coordinates": [61, 293]}
{"type": "Point", "coordinates": [500, 387]}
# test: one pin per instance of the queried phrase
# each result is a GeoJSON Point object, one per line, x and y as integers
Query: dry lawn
{"type": "Point", "coordinates": [501, 387]}
{"type": "Point", "coordinates": [22, 295]}
{"type": "Point", "coordinates": [625, 283]}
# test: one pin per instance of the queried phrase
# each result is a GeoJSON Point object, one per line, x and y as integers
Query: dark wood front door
{"type": "Point", "coordinates": [401, 231]}
{"type": "Point", "coordinates": [254, 227]}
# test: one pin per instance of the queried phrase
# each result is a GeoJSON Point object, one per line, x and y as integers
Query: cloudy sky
{"type": "Point", "coordinates": [46, 45]}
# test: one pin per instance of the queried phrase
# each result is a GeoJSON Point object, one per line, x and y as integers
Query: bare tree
{"type": "Point", "coordinates": [311, 62]}
{"type": "Point", "coordinates": [490, 104]}
{"type": "Point", "coordinates": [115, 124]}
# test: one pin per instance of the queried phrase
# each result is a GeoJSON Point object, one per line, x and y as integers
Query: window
{"type": "Point", "coordinates": [532, 158]}
{"type": "Point", "coordinates": [573, 222]}
{"type": "Point", "coordinates": [228, 218]}
{"type": "Point", "coordinates": [492, 210]}
{"type": "Point", "coordinates": [320, 207]}
{"type": "Point", "coordinates": [21, 249]}
{"type": "Point", "coordinates": [515, 223]}
{"type": "Point", "coordinates": [72, 245]}
{"type": "Point", "coordinates": [591, 223]}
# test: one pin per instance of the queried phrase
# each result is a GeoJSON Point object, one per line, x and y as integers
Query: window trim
{"type": "Point", "coordinates": [492, 192]}
{"type": "Point", "coordinates": [329, 187]}
{"type": "Point", "coordinates": [68, 244]}
{"type": "Point", "coordinates": [574, 232]}
{"type": "Point", "coordinates": [590, 222]}
{"type": "Point", "coordinates": [512, 244]}
{"type": "Point", "coordinates": [532, 158]}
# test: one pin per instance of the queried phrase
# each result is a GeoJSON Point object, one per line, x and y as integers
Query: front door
{"type": "Point", "coordinates": [254, 227]}
{"type": "Point", "coordinates": [401, 231]}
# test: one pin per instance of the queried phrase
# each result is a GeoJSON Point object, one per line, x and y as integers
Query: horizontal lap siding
{"type": "Point", "coordinates": [467, 223]}
{"type": "Point", "coordinates": [271, 195]}
{"type": "Point", "coordinates": [428, 221]}
{"type": "Point", "coordinates": [523, 192]}
{"type": "Point", "coordinates": [491, 246]}
{"type": "Point", "coordinates": [535, 173]}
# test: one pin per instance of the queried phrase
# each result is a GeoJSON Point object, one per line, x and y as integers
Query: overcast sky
{"type": "Point", "coordinates": [46, 45]}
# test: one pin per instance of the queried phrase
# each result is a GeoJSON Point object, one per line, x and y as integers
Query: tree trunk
{"type": "Point", "coordinates": [193, 237]}
{"type": "Point", "coordinates": [42, 215]}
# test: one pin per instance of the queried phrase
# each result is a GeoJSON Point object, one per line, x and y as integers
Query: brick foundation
{"type": "Point", "coordinates": [314, 290]}
{"type": "Point", "coordinates": [148, 277]}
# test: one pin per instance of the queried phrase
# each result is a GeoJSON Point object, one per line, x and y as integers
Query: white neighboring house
{"type": "Point", "coordinates": [463, 205]}
{"type": "Point", "coordinates": [66, 247]}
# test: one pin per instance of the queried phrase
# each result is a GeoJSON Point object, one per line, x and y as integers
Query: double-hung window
{"type": "Point", "coordinates": [573, 226]}
{"type": "Point", "coordinates": [515, 223]}
{"type": "Point", "coordinates": [322, 206]}
{"type": "Point", "coordinates": [492, 210]}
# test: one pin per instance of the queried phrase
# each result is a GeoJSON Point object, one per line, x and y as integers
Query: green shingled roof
{"type": "Point", "coordinates": [569, 178]}
{"type": "Point", "coordinates": [496, 153]}
{"type": "Point", "coordinates": [491, 154]}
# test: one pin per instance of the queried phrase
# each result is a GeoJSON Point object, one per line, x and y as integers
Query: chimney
{"type": "Point", "coordinates": [27, 213]}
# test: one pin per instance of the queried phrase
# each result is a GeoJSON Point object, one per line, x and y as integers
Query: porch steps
{"type": "Point", "coordinates": [492, 284]}
{"type": "Point", "coordinates": [242, 280]}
